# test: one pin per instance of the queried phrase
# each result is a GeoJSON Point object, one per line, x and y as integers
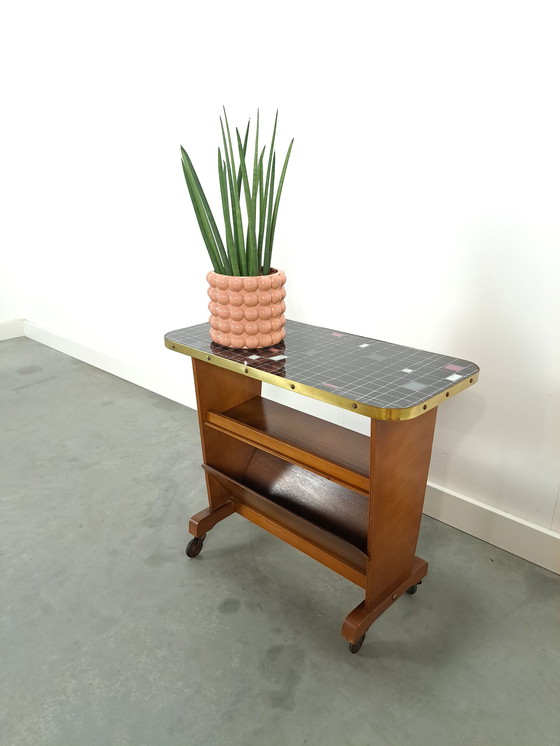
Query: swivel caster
{"type": "Point", "coordinates": [194, 547]}
{"type": "Point", "coordinates": [353, 647]}
{"type": "Point", "coordinates": [413, 588]}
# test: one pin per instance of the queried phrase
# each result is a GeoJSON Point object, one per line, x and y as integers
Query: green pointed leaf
{"type": "Point", "coordinates": [255, 168]}
{"type": "Point", "coordinates": [231, 250]}
{"type": "Point", "coordinates": [268, 239]}
{"type": "Point", "coordinates": [279, 193]}
{"type": "Point", "coordinates": [262, 209]}
{"type": "Point", "coordinates": [196, 185]}
{"type": "Point", "coordinates": [235, 204]}
{"type": "Point", "coordinates": [252, 259]}
{"type": "Point", "coordinates": [201, 216]}
{"type": "Point", "coordinates": [239, 175]}
{"type": "Point", "coordinates": [270, 157]}
{"type": "Point", "coordinates": [229, 174]}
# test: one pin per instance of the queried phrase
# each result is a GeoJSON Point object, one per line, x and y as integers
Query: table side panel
{"type": "Point", "coordinates": [400, 461]}
{"type": "Point", "coordinates": [218, 388]}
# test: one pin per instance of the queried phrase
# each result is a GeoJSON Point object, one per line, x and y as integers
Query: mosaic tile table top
{"type": "Point", "coordinates": [378, 379]}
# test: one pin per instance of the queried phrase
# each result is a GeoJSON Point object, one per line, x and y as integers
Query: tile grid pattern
{"type": "Point", "coordinates": [369, 371]}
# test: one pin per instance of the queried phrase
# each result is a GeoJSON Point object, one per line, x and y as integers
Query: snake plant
{"type": "Point", "coordinates": [248, 247]}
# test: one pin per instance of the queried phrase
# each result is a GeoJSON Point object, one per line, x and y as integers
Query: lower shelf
{"type": "Point", "coordinates": [326, 504]}
{"type": "Point", "coordinates": [280, 497]}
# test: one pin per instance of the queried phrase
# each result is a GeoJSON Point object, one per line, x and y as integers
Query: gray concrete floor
{"type": "Point", "coordinates": [111, 636]}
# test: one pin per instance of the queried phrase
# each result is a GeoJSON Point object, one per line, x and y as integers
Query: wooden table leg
{"type": "Point", "coordinates": [218, 389]}
{"type": "Point", "coordinates": [363, 616]}
{"type": "Point", "coordinates": [400, 459]}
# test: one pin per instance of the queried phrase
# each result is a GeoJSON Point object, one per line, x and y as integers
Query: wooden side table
{"type": "Point", "coordinates": [350, 501]}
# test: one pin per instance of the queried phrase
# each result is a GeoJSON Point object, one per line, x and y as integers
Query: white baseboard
{"type": "Point", "coordinates": [79, 351]}
{"type": "Point", "coordinates": [524, 539]}
{"type": "Point", "coordinates": [140, 375]}
{"type": "Point", "coordinates": [11, 329]}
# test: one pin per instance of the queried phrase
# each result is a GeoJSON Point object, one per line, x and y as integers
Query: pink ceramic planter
{"type": "Point", "coordinates": [247, 312]}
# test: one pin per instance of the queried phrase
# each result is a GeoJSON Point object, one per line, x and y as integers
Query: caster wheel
{"type": "Point", "coordinates": [412, 590]}
{"type": "Point", "coordinates": [353, 647]}
{"type": "Point", "coordinates": [194, 547]}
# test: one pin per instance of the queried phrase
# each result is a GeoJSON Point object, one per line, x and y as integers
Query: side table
{"type": "Point", "coordinates": [352, 502]}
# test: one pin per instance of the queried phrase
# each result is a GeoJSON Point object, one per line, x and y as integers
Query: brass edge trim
{"type": "Point", "coordinates": [374, 413]}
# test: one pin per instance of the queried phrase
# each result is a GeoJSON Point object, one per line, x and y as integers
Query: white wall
{"type": "Point", "coordinates": [420, 206]}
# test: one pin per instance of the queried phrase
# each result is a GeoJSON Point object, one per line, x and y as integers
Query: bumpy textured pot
{"type": "Point", "coordinates": [247, 312]}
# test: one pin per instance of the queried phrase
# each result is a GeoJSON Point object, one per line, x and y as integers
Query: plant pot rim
{"type": "Point", "coordinates": [273, 271]}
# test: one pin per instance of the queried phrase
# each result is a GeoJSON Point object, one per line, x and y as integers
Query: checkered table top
{"type": "Point", "coordinates": [379, 379]}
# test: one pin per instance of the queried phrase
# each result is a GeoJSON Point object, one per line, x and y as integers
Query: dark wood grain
{"type": "Point", "coordinates": [327, 504]}
{"type": "Point", "coordinates": [330, 549]}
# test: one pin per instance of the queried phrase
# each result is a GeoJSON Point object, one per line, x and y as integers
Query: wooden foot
{"type": "Point", "coordinates": [202, 522]}
{"type": "Point", "coordinates": [362, 617]}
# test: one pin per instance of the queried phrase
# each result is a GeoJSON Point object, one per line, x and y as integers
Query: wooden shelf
{"type": "Point", "coordinates": [275, 495]}
{"type": "Point", "coordinates": [330, 451]}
